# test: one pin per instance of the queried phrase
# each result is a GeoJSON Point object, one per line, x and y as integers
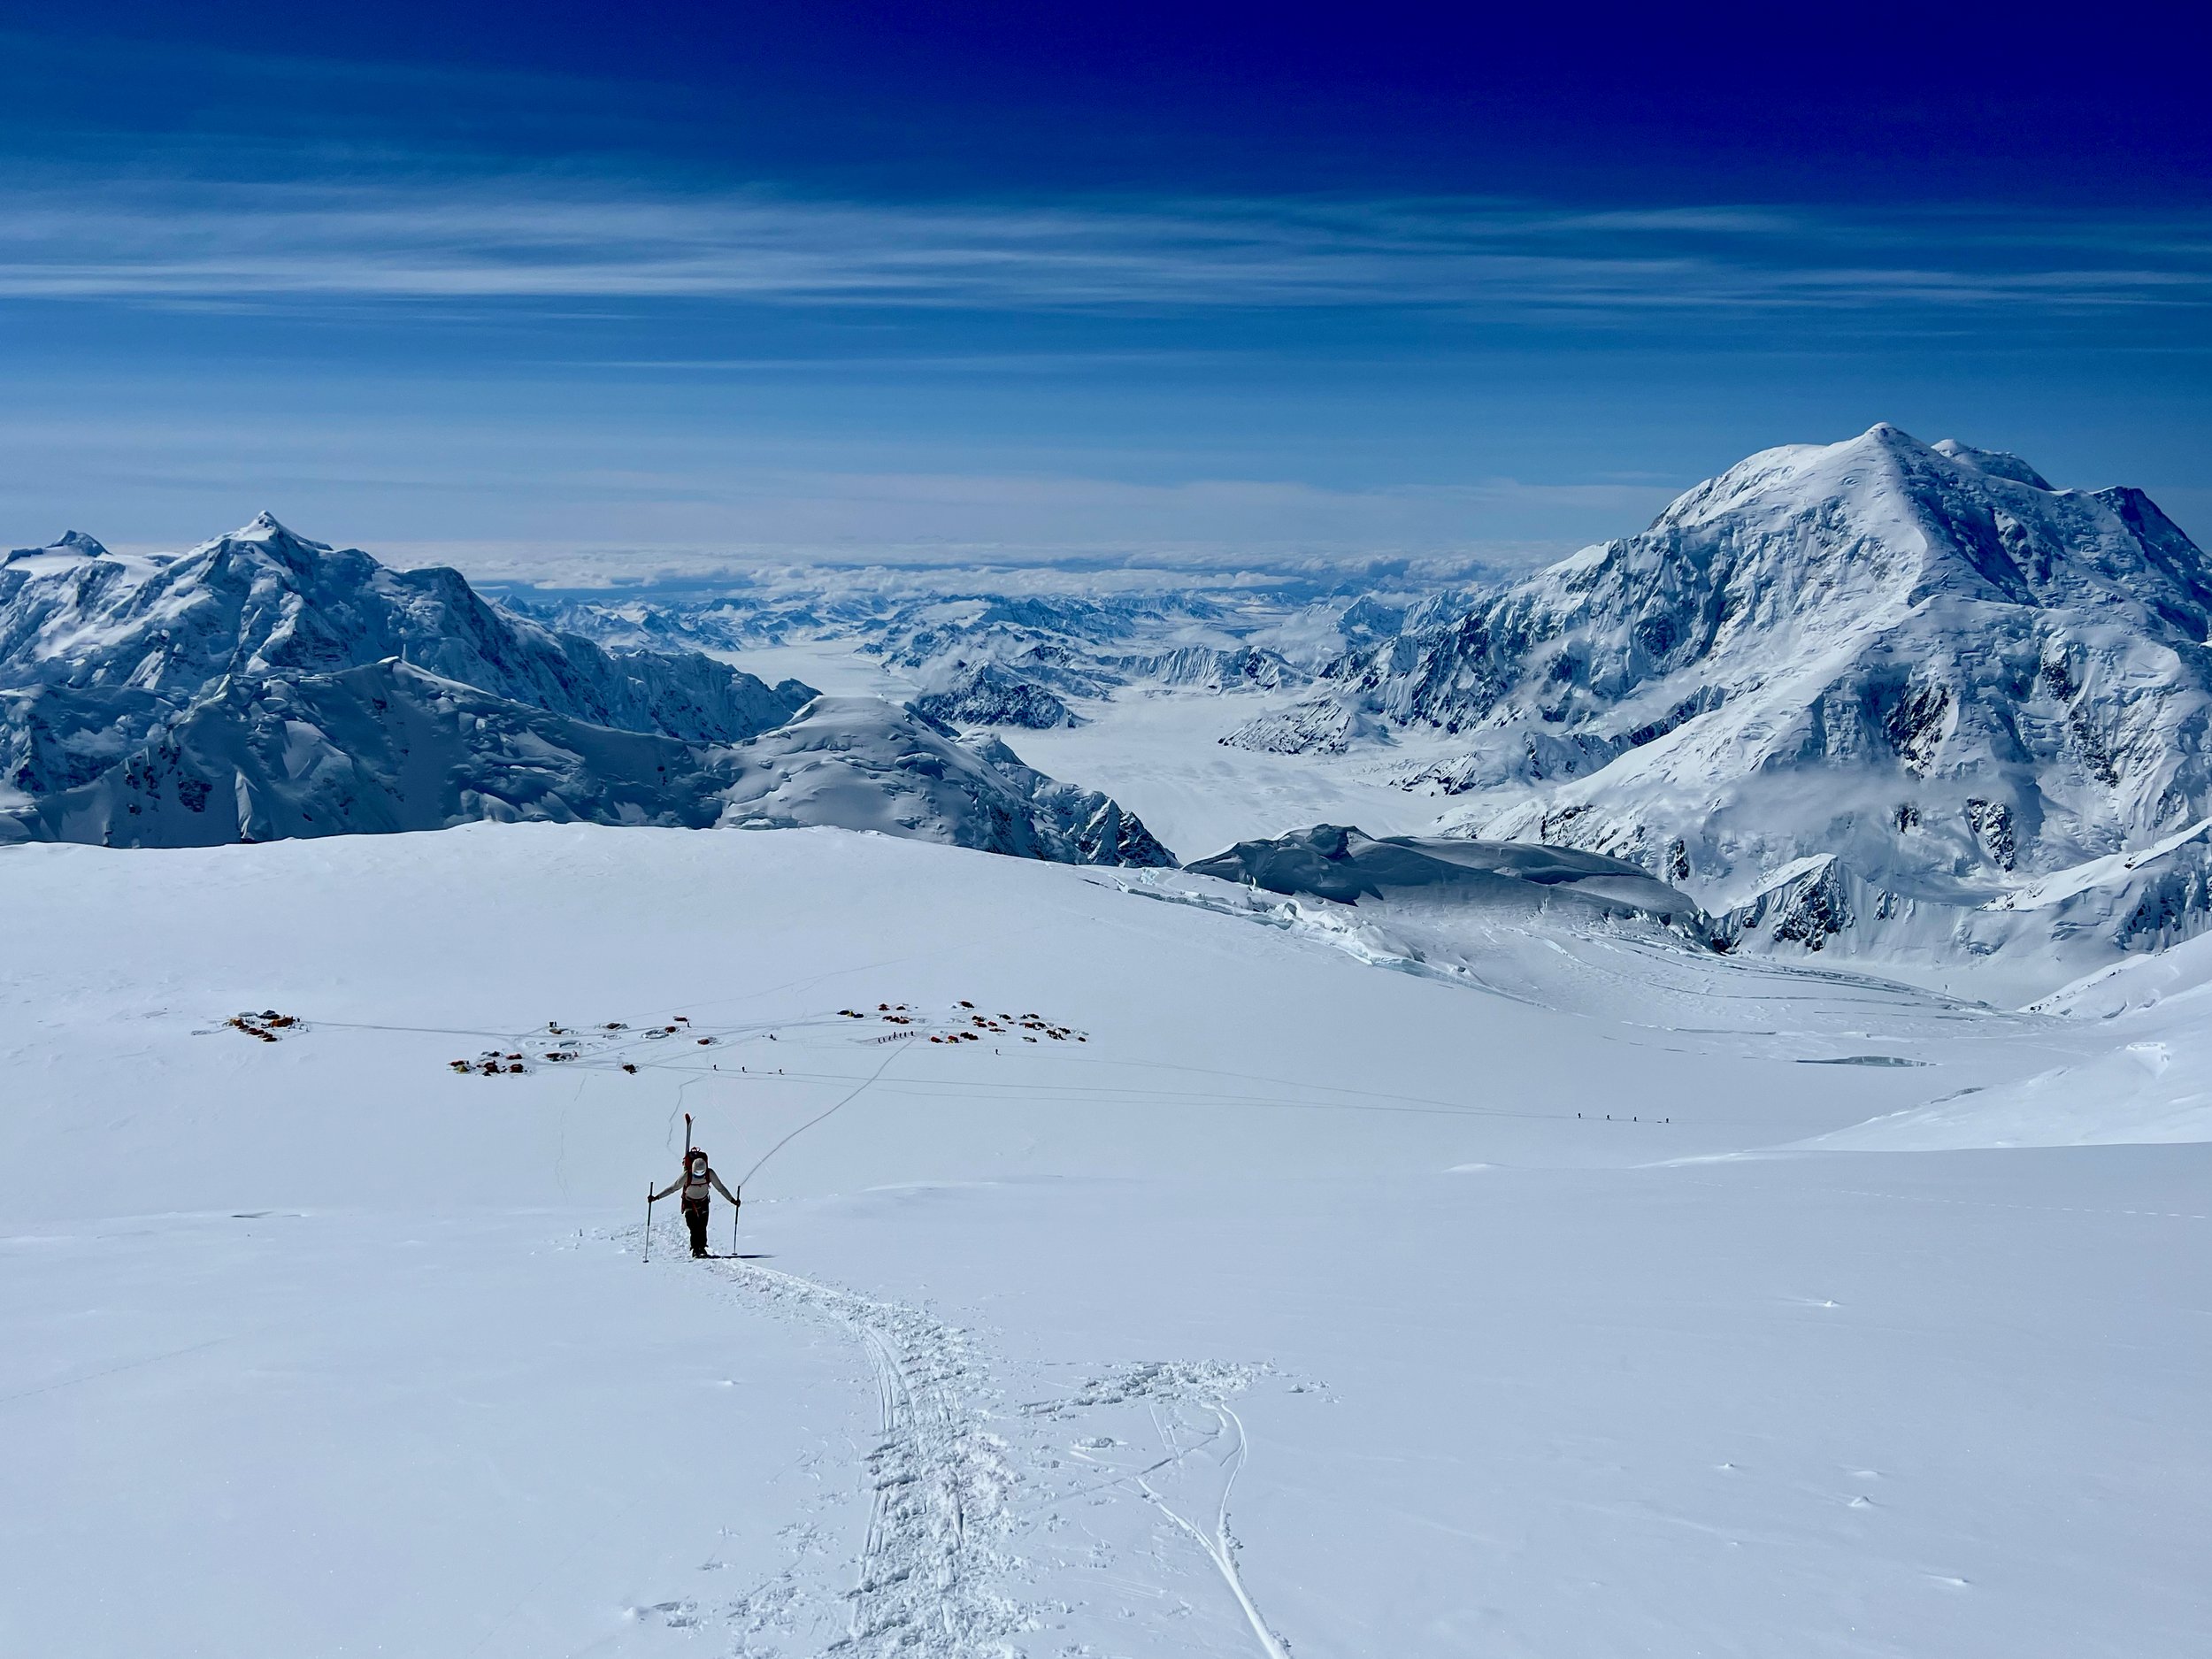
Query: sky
{"type": "Point", "coordinates": [671, 289]}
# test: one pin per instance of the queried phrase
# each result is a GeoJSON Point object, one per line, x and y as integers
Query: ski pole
{"type": "Point", "coordinates": [649, 1221]}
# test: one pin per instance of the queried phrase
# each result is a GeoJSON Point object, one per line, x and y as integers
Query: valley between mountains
{"type": "Point", "coordinates": [1657, 1106]}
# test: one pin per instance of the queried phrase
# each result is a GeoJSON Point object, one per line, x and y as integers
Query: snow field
{"type": "Point", "coordinates": [1297, 1311]}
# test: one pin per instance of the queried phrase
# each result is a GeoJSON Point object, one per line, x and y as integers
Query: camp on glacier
{"type": "Point", "coordinates": [1658, 1106]}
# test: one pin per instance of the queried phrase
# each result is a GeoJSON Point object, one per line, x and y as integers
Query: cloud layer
{"type": "Point", "coordinates": [534, 238]}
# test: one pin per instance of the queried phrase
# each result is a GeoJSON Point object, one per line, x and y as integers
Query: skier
{"type": "Point", "coordinates": [698, 1181]}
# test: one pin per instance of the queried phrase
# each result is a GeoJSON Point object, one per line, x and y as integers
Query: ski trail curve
{"type": "Point", "coordinates": [933, 1562]}
{"type": "Point", "coordinates": [1218, 1547]}
{"type": "Point", "coordinates": [1201, 1447]}
{"type": "Point", "coordinates": [951, 1566]}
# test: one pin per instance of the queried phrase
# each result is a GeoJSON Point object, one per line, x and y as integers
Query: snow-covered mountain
{"type": "Point", "coordinates": [984, 694]}
{"type": "Point", "coordinates": [105, 662]}
{"type": "Point", "coordinates": [389, 747]}
{"type": "Point", "coordinates": [1854, 693]}
{"type": "Point", "coordinates": [264, 687]}
{"type": "Point", "coordinates": [1208, 668]}
{"type": "Point", "coordinates": [264, 601]}
{"type": "Point", "coordinates": [379, 748]}
{"type": "Point", "coordinates": [861, 763]}
{"type": "Point", "coordinates": [972, 653]}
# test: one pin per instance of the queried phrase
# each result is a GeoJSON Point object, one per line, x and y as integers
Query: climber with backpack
{"type": "Point", "coordinates": [697, 1183]}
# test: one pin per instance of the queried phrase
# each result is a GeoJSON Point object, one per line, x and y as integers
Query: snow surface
{"type": "Point", "coordinates": [2150, 1081]}
{"type": "Point", "coordinates": [1485, 879]}
{"type": "Point", "coordinates": [861, 763]}
{"type": "Point", "coordinates": [1160, 753]}
{"type": "Point", "coordinates": [1135, 1262]}
{"type": "Point", "coordinates": [1298, 1308]}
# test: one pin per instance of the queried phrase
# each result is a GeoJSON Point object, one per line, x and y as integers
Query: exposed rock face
{"type": "Point", "coordinates": [987, 694]}
{"type": "Point", "coordinates": [264, 601]}
{"type": "Point", "coordinates": [264, 687]}
{"type": "Point", "coordinates": [1210, 668]}
{"type": "Point", "coordinates": [103, 658]}
{"type": "Point", "coordinates": [1921, 660]}
{"type": "Point", "coordinates": [382, 747]}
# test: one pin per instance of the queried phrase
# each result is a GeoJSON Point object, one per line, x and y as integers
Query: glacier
{"type": "Point", "coordinates": [1594, 1207]}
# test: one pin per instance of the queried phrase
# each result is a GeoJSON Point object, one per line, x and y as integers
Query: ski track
{"type": "Point", "coordinates": [933, 1569]}
{"type": "Point", "coordinates": [1215, 1441]}
{"type": "Point", "coordinates": [941, 1572]}
{"type": "Point", "coordinates": [1220, 1547]}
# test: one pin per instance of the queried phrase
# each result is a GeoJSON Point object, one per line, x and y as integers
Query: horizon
{"type": "Point", "coordinates": [1613, 937]}
{"type": "Point", "coordinates": [676, 576]}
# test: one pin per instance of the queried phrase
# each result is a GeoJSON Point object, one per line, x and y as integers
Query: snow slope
{"type": "Point", "coordinates": [861, 763]}
{"type": "Point", "coordinates": [1159, 753]}
{"type": "Point", "coordinates": [1921, 661]}
{"type": "Point", "coordinates": [376, 748]}
{"type": "Point", "coordinates": [388, 748]}
{"type": "Point", "coordinates": [2148, 1081]}
{"type": "Point", "coordinates": [1298, 1308]}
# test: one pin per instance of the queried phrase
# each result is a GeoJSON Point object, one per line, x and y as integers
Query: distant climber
{"type": "Point", "coordinates": [698, 1183]}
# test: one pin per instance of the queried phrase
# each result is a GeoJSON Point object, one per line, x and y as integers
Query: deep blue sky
{"type": "Point", "coordinates": [564, 285]}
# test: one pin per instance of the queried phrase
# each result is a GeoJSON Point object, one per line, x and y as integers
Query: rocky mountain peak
{"type": "Point", "coordinates": [1917, 661]}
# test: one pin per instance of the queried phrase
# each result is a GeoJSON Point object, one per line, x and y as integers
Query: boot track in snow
{"type": "Point", "coordinates": [934, 1558]}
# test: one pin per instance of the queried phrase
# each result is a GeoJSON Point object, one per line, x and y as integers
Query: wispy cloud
{"type": "Point", "coordinates": [530, 238]}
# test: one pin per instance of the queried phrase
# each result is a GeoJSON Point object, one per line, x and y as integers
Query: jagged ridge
{"type": "Point", "coordinates": [1922, 660]}
{"type": "Point", "coordinates": [222, 695]}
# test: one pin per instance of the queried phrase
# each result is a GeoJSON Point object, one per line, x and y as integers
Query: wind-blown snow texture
{"type": "Point", "coordinates": [1852, 694]}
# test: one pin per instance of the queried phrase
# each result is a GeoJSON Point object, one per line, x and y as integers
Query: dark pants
{"type": "Point", "coordinates": [695, 1218]}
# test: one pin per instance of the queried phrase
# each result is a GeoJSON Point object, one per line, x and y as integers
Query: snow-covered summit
{"type": "Point", "coordinates": [70, 544]}
{"type": "Point", "coordinates": [1838, 533]}
{"type": "Point", "coordinates": [104, 657]}
{"type": "Point", "coordinates": [986, 695]}
{"type": "Point", "coordinates": [264, 685]}
{"type": "Point", "coordinates": [263, 600]}
{"type": "Point", "coordinates": [1919, 659]}
{"type": "Point", "coordinates": [1995, 463]}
